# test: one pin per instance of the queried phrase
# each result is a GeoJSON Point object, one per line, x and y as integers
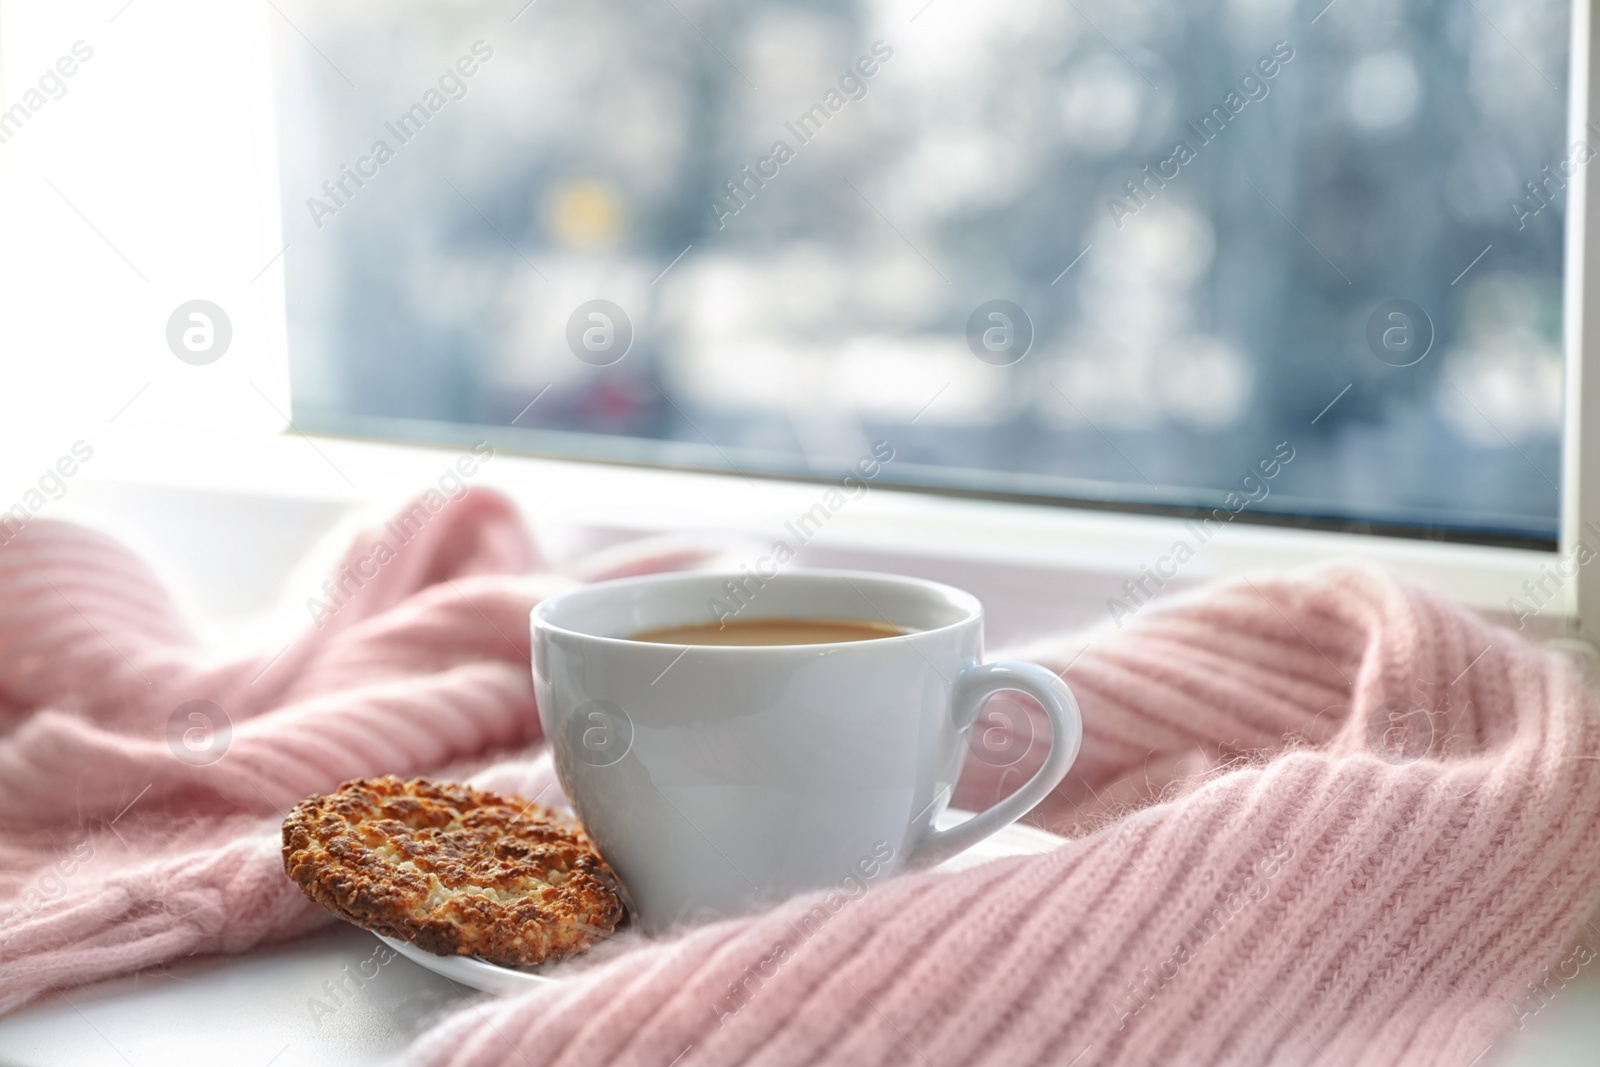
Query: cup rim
{"type": "Point", "coordinates": [970, 604]}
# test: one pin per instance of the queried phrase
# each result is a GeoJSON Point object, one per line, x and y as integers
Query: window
{"type": "Point", "coordinates": [1131, 254]}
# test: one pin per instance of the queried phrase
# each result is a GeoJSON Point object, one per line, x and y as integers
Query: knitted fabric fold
{"type": "Point", "coordinates": [132, 833]}
{"type": "Point", "coordinates": [1324, 819]}
{"type": "Point", "coordinates": [1394, 832]}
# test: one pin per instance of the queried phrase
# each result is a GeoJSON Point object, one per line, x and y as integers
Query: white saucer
{"type": "Point", "coordinates": [1018, 839]}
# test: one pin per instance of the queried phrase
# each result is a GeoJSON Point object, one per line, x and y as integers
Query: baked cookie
{"type": "Point", "coordinates": [453, 870]}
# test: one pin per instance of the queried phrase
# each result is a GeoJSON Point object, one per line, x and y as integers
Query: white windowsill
{"type": "Point", "coordinates": [1041, 569]}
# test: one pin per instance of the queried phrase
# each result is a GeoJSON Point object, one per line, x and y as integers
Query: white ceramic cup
{"type": "Point", "coordinates": [717, 779]}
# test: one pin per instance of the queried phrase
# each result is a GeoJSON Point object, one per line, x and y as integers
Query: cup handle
{"type": "Point", "coordinates": [973, 688]}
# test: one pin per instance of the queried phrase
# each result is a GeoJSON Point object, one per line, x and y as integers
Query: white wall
{"type": "Point", "coordinates": [164, 141]}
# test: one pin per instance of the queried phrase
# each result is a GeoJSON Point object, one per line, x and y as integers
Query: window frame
{"type": "Point", "coordinates": [1500, 580]}
{"type": "Point", "coordinates": [1569, 520]}
{"type": "Point", "coordinates": [1580, 495]}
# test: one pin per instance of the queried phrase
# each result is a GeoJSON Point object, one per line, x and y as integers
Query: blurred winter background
{"type": "Point", "coordinates": [1174, 346]}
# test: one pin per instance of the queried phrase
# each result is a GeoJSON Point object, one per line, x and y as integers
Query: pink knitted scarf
{"type": "Point", "coordinates": [1326, 819]}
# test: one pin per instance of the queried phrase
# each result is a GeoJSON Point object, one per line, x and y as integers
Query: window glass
{"type": "Point", "coordinates": [1288, 260]}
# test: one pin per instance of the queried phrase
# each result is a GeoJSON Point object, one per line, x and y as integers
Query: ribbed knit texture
{"type": "Point", "coordinates": [1257, 873]}
{"type": "Point", "coordinates": [1297, 900]}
